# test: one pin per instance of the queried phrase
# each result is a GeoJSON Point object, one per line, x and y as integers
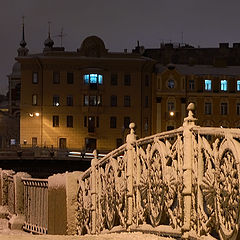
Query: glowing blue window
{"type": "Point", "coordinates": [86, 78]}
{"type": "Point", "coordinates": [100, 79]}
{"type": "Point", "coordinates": [238, 85]}
{"type": "Point", "coordinates": [208, 85]}
{"type": "Point", "coordinates": [223, 85]}
{"type": "Point", "coordinates": [93, 78]}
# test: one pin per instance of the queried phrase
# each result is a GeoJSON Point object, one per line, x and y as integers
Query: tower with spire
{"type": "Point", "coordinates": [22, 50]}
{"type": "Point", "coordinates": [48, 43]}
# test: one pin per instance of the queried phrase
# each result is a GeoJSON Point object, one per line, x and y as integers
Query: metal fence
{"type": "Point", "coordinates": [36, 205]}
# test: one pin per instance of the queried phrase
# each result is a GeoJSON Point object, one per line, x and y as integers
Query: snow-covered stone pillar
{"type": "Point", "coordinates": [94, 191]}
{"type": "Point", "coordinates": [189, 121]}
{"type": "Point", "coordinates": [130, 140]}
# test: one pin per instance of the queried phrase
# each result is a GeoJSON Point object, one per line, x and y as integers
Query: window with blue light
{"type": "Point", "coordinates": [93, 78]}
{"type": "Point", "coordinates": [223, 85]}
{"type": "Point", "coordinates": [238, 85]}
{"type": "Point", "coordinates": [208, 85]}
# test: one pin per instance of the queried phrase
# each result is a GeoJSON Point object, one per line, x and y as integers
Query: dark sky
{"type": "Point", "coordinates": [119, 23]}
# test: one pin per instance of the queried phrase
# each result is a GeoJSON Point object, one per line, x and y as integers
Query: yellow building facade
{"type": "Point", "coordinates": [214, 90]}
{"type": "Point", "coordinates": [86, 99]}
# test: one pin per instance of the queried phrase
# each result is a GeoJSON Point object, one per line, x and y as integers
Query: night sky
{"type": "Point", "coordinates": [119, 23]}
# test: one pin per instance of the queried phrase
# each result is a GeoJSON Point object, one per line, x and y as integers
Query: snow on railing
{"type": "Point", "coordinates": [36, 205]}
{"type": "Point", "coordinates": [11, 194]}
{"type": "Point", "coordinates": [177, 178]}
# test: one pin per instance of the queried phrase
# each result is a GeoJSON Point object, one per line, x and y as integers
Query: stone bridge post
{"type": "Point", "coordinates": [131, 139]}
{"type": "Point", "coordinates": [188, 123]}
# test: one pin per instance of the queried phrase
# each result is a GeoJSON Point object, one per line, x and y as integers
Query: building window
{"type": "Point", "coordinates": [114, 79]}
{"type": "Point", "coordinates": [113, 122]}
{"type": "Point", "coordinates": [171, 106]}
{"type": "Point", "coordinates": [146, 80]}
{"type": "Point", "coordinates": [56, 77]}
{"type": "Point", "coordinates": [34, 141]}
{"type": "Point", "coordinates": [238, 85]}
{"type": "Point", "coordinates": [91, 124]}
{"type": "Point", "coordinates": [113, 101]}
{"type": "Point", "coordinates": [171, 83]}
{"type": "Point", "coordinates": [238, 108]}
{"type": "Point", "coordinates": [146, 101]}
{"type": "Point", "coordinates": [126, 122]}
{"type": "Point", "coordinates": [119, 142]}
{"type": "Point", "coordinates": [127, 79]}
{"type": "Point", "coordinates": [70, 121]}
{"type": "Point", "coordinates": [55, 121]}
{"type": "Point", "coordinates": [92, 100]}
{"type": "Point", "coordinates": [191, 84]}
{"type": "Point", "coordinates": [56, 101]}
{"type": "Point", "coordinates": [224, 108]}
{"type": "Point", "coordinates": [90, 144]}
{"type": "Point", "coordinates": [93, 78]}
{"type": "Point", "coordinates": [69, 100]}
{"type": "Point", "coordinates": [35, 77]}
{"type": "Point", "coordinates": [127, 101]}
{"type": "Point", "coordinates": [208, 108]}
{"type": "Point", "coordinates": [34, 99]}
{"type": "Point", "coordinates": [223, 85]}
{"type": "Point", "coordinates": [208, 85]}
{"type": "Point", "coordinates": [70, 78]}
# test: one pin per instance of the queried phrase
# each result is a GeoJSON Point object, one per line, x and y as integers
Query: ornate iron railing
{"type": "Point", "coordinates": [173, 183]}
{"type": "Point", "coordinates": [36, 205]}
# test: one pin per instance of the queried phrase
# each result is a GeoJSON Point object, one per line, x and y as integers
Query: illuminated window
{"type": "Point", "coordinates": [56, 101]}
{"type": "Point", "coordinates": [92, 100]}
{"type": "Point", "coordinates": [34, 99]}
{"type": "Point", "coordinates": [93, 78]}
{"type": "Point", "coordinates": [35, 78]}
{"type": "Point", "coordinates": [208, 85]}
{"type": "Point", "coordinates": [238, 85]}
{"type": "Point", "coordinates": [171, 83]}
{"type": "Point", "coordinates": [223, 85]}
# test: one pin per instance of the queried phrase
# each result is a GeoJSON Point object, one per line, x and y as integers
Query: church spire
{"type": "Point", "coordinates": [23, 51]}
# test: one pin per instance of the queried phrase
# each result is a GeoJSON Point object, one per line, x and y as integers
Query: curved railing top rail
{"type": "Point", "coordinates": [141, 141]}
{"type": "Point", "coordinates": [214, 131]}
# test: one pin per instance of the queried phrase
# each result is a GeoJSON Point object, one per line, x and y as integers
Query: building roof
{"type": "Point", "coordinates": [201, 69]}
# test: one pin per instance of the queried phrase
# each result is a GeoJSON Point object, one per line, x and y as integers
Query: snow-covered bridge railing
{"type": "Point", "coordinates": [178, 179]}
{"type": "Point", "coordinates": [36, 205]}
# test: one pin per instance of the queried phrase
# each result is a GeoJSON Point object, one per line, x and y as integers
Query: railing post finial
{"type": "Point", "coordinates": [190, 119]}
{"type": "Point", "coordinates": [131, 137]}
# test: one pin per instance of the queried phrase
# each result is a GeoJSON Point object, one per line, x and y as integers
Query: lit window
{"type": "Point", "coordinates": [34, 99]}
{"type": "Point", "coordinates": [93, 78]}
{"type": "Point", "coordinates": [208, 85]}
{"type": "Point", "coordinates": [238, 85]}
{"type": "Point", "coordinates": [223, 85]}
{"type": "Point", "coordinates": [35, 78]}
{"type": "Point", "coordinates": [171, 83]}
{"type": "Point", "coordinates": [56, 101]}
{"type": "Point", "coordinates": [92, 100]}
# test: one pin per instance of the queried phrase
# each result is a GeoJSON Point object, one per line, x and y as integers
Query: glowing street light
{"type": "Point", "coordinates": [31, 114]}
{"type": "Point", "coordinates": [171, 114]}
{"type": "Point", "coordinates": [37, 114]}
